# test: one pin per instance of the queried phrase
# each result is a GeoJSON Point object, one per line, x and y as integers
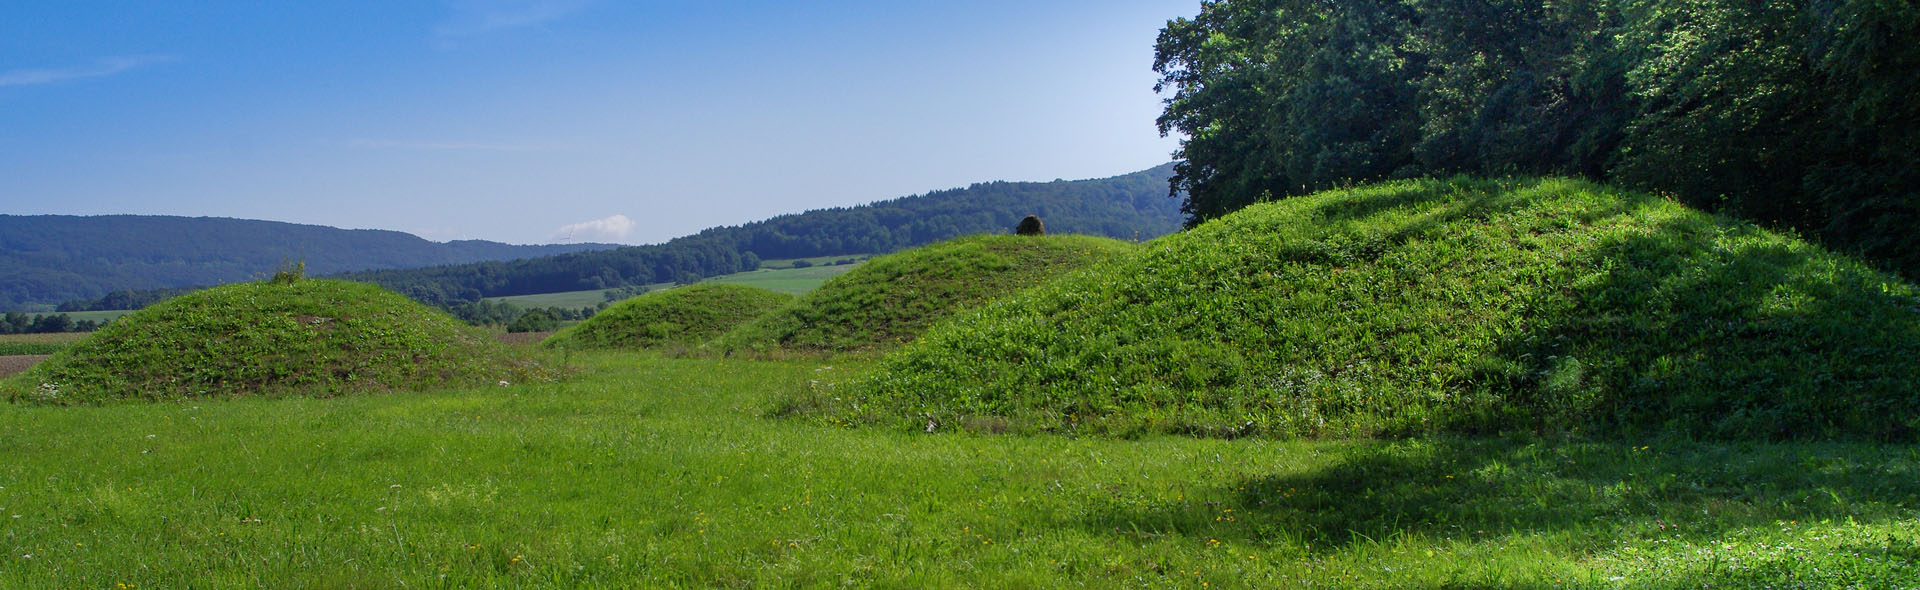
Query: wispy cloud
{"type": "Point", "coordinates": [105, 66]}
{"type": "Point", "coordinates": [479, 17]}
{"type": "Point", "coordinates": [463, 146]}
{"type": "Point", "coordinates": [612, 229]}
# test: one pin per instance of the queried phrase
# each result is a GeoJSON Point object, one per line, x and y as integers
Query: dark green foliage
{"type": "Point", "coordinates": [14, 322]}
{"type": "Point", "coordinates": [1792, 114]}
{"type": "Point", "coordinates": [305, 337]}
{"type": "Point", "coordinates": [1030, 226]}
{"type": "Point", "coordinates": [490, 313]}
{"type": "Point", "coordinates": [682, 316]}
{"type": "Point", "coordinates": [1424, 306]}
{"type": "Point", "coordinates": [892, 299]}
{"type": "Point", "coordinates": [537, 320]}
{"type": "Point", "coordinates": [128, 299]}
{"type": "Point", "coordinates": [1129, 206]}
{"type": "Point", "coordinates": [50, 259]}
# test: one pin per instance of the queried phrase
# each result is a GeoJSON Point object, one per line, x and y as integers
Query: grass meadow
{"type": "Point", "coordinates": [787, 279]}
{"type": "Point", "coordinates": [647, 471]}
{"type": "Point", "coordinates": [774, 275]}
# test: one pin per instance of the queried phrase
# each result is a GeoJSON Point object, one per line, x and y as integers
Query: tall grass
{"type": "Point", "coordinates": [1458, 306]}
{"type": "Point", "coordinates": [657, 472]}
{"type": "Point", "coordinates": [289, 336]}
{"type": "Point", "coordinates": [889, 300]}
{"type": "Point", "coordinates": [683, 317]}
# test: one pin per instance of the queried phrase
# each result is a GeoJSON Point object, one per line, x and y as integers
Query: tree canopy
{"type": "Point", "coordinates": [1793, 113]}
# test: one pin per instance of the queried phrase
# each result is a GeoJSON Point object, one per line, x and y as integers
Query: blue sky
{"type": "Point", "coordinates": [534, 121]}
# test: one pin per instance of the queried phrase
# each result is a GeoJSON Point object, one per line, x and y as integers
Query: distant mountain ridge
{"type": "Point", "coordinates": [1135, 206]}
{"type": "Point", "coordinates": [49, 259]}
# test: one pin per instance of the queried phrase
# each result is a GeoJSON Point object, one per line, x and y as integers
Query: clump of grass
{"type": "Point", "coordinates": [683, 316]}
{"type": "Point", "coordinates": [1436, 305]}
{"type": "Point", "coordinates": [892, 299]}
{"type": "Point", "coordinates": [276, 337]}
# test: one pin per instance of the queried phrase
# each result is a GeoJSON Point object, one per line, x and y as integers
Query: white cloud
{"type": "Point", "coordinates": [105, 66]}
{"type": "Point", "coordinates": [478, 17]}
{"type": "Point", "coordinates": [469, 146]}
{"type": "Point", "coordinates": [609, 229]}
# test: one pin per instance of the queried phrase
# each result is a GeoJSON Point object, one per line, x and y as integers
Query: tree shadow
{"type": "Point", "coordinates": [1492, 489]}
{"type": "Point", "coordinates": [1707, 327]}
{"type": "Point", "coordinates": [1668, 326]}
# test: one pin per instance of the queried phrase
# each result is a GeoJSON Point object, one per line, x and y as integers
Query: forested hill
{"type": "Point", "coordinates": [1131, 206]}
{"type": "Point", "coordinates": [49, 259]}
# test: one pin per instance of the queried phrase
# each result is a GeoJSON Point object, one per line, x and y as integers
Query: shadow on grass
{"type": "Point", "coordinates": [1485, 490]}
{"type": "Point", "coordinates": [1716, 329]}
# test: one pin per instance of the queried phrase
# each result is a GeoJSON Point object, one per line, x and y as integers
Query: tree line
{"type": "Point", "coordinates": [1793, 113]}
{"type": "Point", "coordinates": [1132, 206]}
{"type": "Point", "coordinates": [14, 322]}
{"type": "Point", "coordinates": [49, 259]}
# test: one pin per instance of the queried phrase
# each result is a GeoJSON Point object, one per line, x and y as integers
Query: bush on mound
{"type": "Point", "coordinates": [685, 316]}
{"type": "Point", "coordinates": [298, 337]}
{"type": "Point", "coordinates": [1429, 306]}
{"type": "Point", "coordinates": [891, 299]}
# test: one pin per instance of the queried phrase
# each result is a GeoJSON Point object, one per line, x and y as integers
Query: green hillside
{"type": "Point", "coordinates": [891, 299]}
{"type": "Point", "coordinates": [1420, 306]}
{"type": "Point", "coordinates": [685, 316]}
{"type": "Point", "coordinates": [304, 337]}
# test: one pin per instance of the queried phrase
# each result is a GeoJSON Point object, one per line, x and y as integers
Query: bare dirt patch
{"type": "Point", "coordinates": [522, 338]}
{"type": "Point", "coordinates": [12, 364]}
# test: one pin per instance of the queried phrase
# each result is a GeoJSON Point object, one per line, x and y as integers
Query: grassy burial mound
{"type": "Point", "coordinates": [300, 337]}
{"type": "Point", "coordinates": [1425, 306]}
{"type": "Point", "coordinates": [683, 316]}
{"type": "Point", "coordinates": [891, 299]}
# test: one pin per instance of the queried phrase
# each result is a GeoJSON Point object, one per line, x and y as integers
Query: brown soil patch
{"type": "Point", "coordinates": [522, 338]}
{"type": "Point", "coordinates": [12, 364]}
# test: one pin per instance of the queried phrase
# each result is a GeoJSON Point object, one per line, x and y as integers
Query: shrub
{"type": "Point", "coordinates": [1030, 226]}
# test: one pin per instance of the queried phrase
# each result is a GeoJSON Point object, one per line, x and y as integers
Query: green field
{"type": "Point", "coordinates": [788, 279]}
{"type": "Point", "coordinates": [651, 472]}
{"type": "Point", "coordinates": [773, 275]}
{"type": "Point", "coordinates": [568, 299]}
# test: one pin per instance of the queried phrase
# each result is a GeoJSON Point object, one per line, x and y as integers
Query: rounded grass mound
{"type": "Point", "coordinates": [1434, 306]}
{"type": "Point", "coordinates": [892, 299]}
{"type": "Point", "coordinates": [300, 337]}
{"type": "Point", "coordinates": [683, 316]}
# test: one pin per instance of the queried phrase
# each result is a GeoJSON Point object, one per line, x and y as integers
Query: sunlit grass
{"type": "Point", "coordinates": [787, 280]}
{"type": "Point", "coordinates": [892, 299]}
{"type": "Point", "coordinates": [1457, 306]}
{"type": "Point", "coordinates": [665, 472]}
{"type": "Point", "coordinates": [681, 317]}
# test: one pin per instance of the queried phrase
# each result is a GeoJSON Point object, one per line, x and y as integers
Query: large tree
{"type": "Point", "coordinates": [1795, 113]}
